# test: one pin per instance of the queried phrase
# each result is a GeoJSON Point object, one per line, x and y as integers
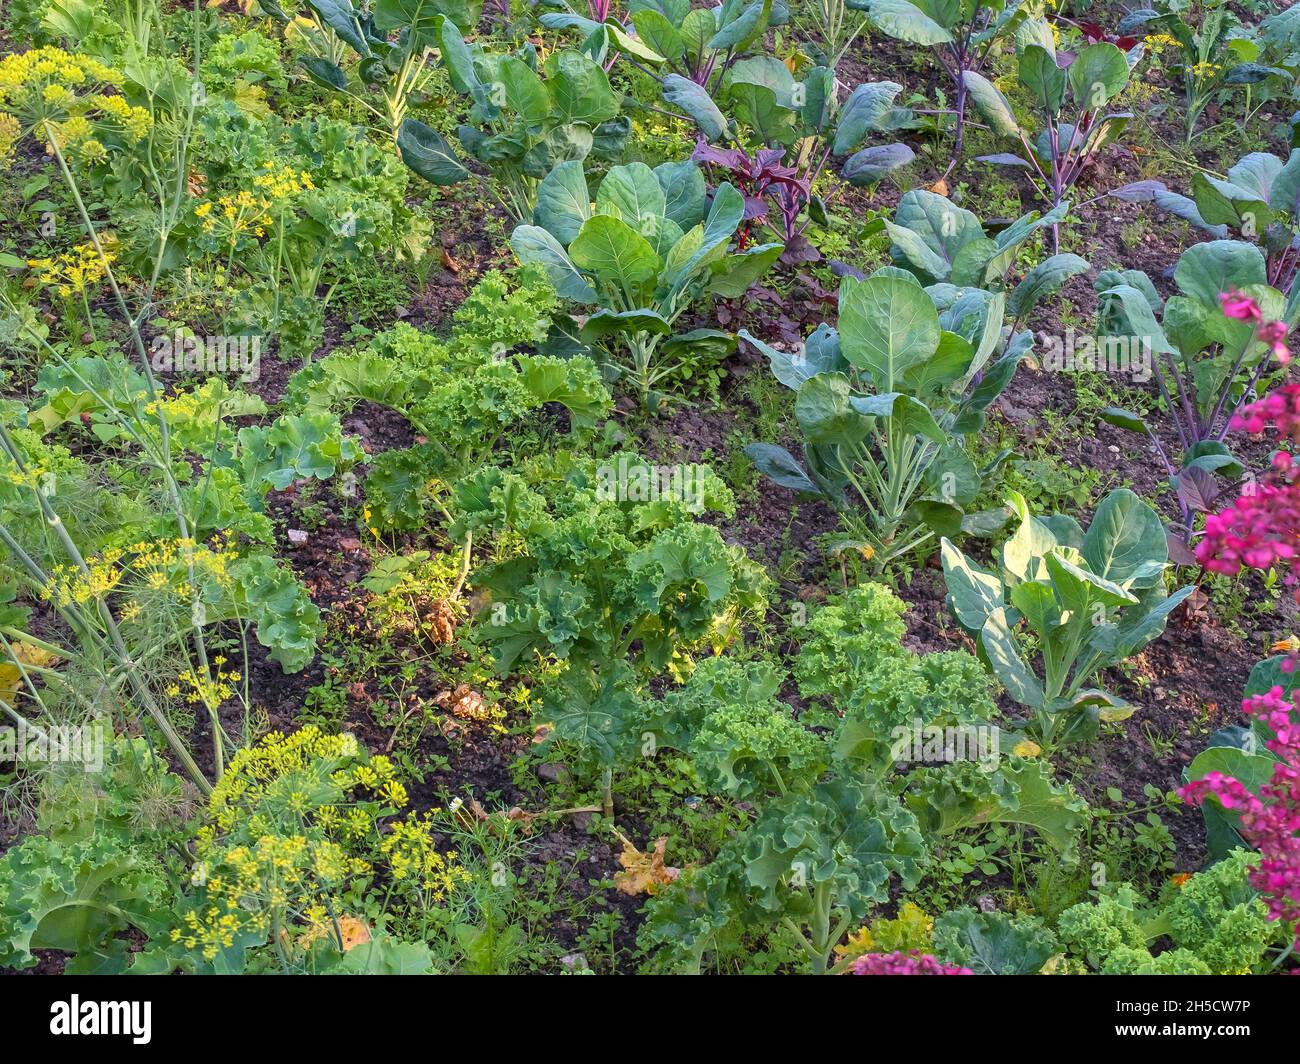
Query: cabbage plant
{"type": "Point", "coordinates": [524, 119]}
{"type": "Point", "coordinates": [648, 247]}
{"type": "Point", "coordinates": [1061, 605]}
{"type": "Point", "coordinates": [884, 403]}
{"type": "Point", "coordinates": [1206, 365]}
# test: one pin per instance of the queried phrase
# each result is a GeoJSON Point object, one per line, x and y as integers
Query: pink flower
{"type": "Point", "coordinates": [1270, 820]}
{"type": "Point", "coordinates": [1239, 306]}
{"type": "Point", "coordinates": [1274, 334]}
{"type": "Point", "coordinates": [900, 963]}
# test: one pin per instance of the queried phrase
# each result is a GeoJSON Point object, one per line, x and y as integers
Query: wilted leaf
{"type": "Point", "coordinates": [644, 873]}
{"type": "Point", "coordinates": [11, 677]}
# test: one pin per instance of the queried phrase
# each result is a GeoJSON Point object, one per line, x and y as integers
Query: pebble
{"type": "Point", "coordinates": [553, 773]}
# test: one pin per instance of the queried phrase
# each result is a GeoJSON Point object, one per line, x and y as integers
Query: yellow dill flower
{"type": "Point", "coordinates": [78, 270]}
{"type": "Point", "coordinates": [395, 793]}
{"type": "Point", "coordinates": [50, 91]}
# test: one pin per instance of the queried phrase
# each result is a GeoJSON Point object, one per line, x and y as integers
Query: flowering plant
{"type": "Point", "coordinates": [1217, 344]}
{"type": "Point", "coordinates": [900, 963]}
{"type": "Point", "coordinates": [1268, 812]}
{"type": "Point", "coordinates": [1214, 53]}
{"type": "Point", "coordinates": [294, 835]}
{"type": "Point", "coordinates": [76, 273]}
{"type": "Point", "coordinates": [50, 92]}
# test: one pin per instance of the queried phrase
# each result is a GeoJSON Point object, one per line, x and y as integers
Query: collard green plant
{"type": "Point", "coordinates": [963, 34]}
{"type": "Point", "coordinates": [523, 119]}
{"type": "Point", "coordinates": [884, 403]}
{"type": "Point", "coordinates": [1279, 37]}
{"type": "Point", "coordinates": [392, 41]}
{"type": "Point", "coordinates": [606, 32]}
{"type": "Point", "coordinates": [948, 249]}
{"type": "Point", "coordinates": [650, 246]}
{"type": "Point", "coordinates": [1259, 199]}
{"type": "Point", "coordinates": [1088, 601]}
{"type": "Point", "coordinates": [697, 45]}
{"type": "Point", "coordinates": [1070, 105]}
{"type": "Point", "coordinates": [1205, 364]}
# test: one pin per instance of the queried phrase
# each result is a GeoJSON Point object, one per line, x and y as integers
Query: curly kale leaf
{"type": "Point", "coordinates": [286, 620]}
{"type": "Point", "coordinates": [1019, 791]}
{"type": "Point", "coordinates": [1095, 930]}
{"type": "Point", "coordinates": [1220, 917]}
{"type": "Point", "coordinates": [857, 629]}
{"type": "Point", "coordinates": [699, 912]}
{"type": "Point", "coordinates": [397, 486]}
{"type": "Point", "coordinates": [839, 836]}
{"type": "Point", "coordinates": [743, 749]}
{"type": "Point", "coordinates": [291, 448]}
{"type": "Point", "coordinates": [1132, 960]}
{"type": "Point", "coordinates": [75, 896]}
{"type": "Point", "coordinates": [595, 710]}
{"type": "Point", "coordinates": [683, 582]}
{"type": "Point", "coordinates": [993, 943]}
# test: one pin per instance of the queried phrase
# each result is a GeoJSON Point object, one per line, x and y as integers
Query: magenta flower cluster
{"type": "Point", "coordinates": [1262, 528]}
{"type": "Point", "coordinates": [1274, 333]}
{"type": "Point", "coordinates": [900, 963]}
{"type": "Point", "coordinates": [1270, 820]}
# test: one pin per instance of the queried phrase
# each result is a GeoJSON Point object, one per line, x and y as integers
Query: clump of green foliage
{"type": "Point", "coordinates": [461, 394]}
{"type": "Point", "coordinates": [613, 584]}
{"type": "Point", "coordinates": [97, 867]}
{"type": "Point", "coordinates": [834, 822]}
{"type": "Point", "coordinates": [1216, 921]}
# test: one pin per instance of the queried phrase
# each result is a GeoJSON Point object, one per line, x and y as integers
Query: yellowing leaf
{"type": "Point", "coordinates": [1026, 748]}
{"type": "Point", "coordinates": [913, 928]}
{"type": "Point", "coordinates": [11, 677]}
{"type": "Point", "coordinates": [644, 873]}
{"type": "Point", "coordinates": [353, 931]}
